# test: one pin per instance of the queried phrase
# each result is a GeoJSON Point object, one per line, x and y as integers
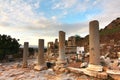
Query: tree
{"type": "Point", "coordinates": [77, 37]}
{"type": "Point", "coordinates": [8, 45]}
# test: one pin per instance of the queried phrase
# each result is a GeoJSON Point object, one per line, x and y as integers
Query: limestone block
{"type": "Point", "coordinates": [56, 68]}
{"type": "Point", "coordinates": [95, 67]}
{"type": "Point", "coordinates": [39, 67]}
{"type": "Point", "coordinates": [90, 73]}
{"type": "Point", "coordinates": [102, 75]}
{"type": "Point", "coordinates": [62, 70]}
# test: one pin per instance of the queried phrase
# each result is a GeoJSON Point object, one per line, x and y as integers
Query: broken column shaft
{"type": "Point", "coordinates": [94, 60]}
{"type": "Point", "coordinates": [41, 52]}
{"type": "Point", "coordinates": [61, 58]}
{"type": "Point", "coordinates": [40, 58]}
{"type": "Point", "coordinates": [94, 43]}
{"type": "Point", "coordinates": [25, 54]}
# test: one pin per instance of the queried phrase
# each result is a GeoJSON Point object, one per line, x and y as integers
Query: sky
{"type": "Point", "coordinates": [30, 20]}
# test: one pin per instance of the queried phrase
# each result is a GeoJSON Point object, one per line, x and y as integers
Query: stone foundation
{"type": "Point", "coordinates": [92, 67]}
{"type": "Point", "coordinates": [85, 71]}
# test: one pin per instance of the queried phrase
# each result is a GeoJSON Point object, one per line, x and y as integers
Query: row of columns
{"type": "Point", "coordinates": [94, 60]}
{"type": "Point", "coordinates": [94, 44]}
{"type": "Point", "coordinates": [40, 57]}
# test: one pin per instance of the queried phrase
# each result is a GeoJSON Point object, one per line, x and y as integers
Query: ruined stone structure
{"type": "Point", "coordinates": [56, 46]}
{"type": "Point", "coordinates": [50, 47]}
{"type": "Point", "coordinates": [61, 58]}
{"type": "Point", "coordinates": [70, 49]}
{"type": "Point", "coordinates": [72, 41]}
{"type": "Point", "coordinates": [40, 59]}
{"type": "Point", "coordinates": [25, 54]}
{"type": "Point", "coordinates": [94, 61]}
{"type": "Point", "coordinates": [71, 45]}
{"type": "Point", "coordinates": [56, 43]}
{"type": "Point", "coordinates": [53, 47]}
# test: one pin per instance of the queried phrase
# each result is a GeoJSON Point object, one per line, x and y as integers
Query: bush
{"type": "Point", "coordinates": [8, 46]}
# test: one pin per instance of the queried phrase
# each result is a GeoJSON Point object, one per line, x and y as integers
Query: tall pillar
{"type": "Point", "coordinates": [74, 41]}
{"type": "Point", "coordinates": [94, 44]}
{"type": "Point", "coordinates": [48, 49]}
{"type": "Point", "coordinates": [25, 54]}
{"type": "Point", "coordinates": [40, 58]}
{"type": "Point", "coordinates": [61, 58]}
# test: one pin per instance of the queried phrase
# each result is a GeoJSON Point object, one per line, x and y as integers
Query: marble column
{"type": "Point", "coordinates": [40, 58]}
{"type": "Point", "coordinates": [25, 54]}
{"type": "Point", "coordinates": [61, 58]}
{"type": "Point", "coordinates": [94, 46]}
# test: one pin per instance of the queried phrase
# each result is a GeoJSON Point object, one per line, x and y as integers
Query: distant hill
{"type": "Point", "coordinates": [113, 24]}
{"type": "Point", "coordinates": [112, 28]}
{"type": "Point", "coordinates": [111, 31]}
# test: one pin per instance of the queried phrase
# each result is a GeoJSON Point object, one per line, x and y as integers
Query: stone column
{"type": "Point", "coordinates": [40, 58]}
{"type": "Point", "coordinates": [118, 54]}
{"type": "Point", "coordinates": [74, 41]}
{"type": "Point", "coordinates": [48, 49]}
{"type": "Point", "coordinates": [94, 60]}
{"type": "Point", "coordinates": [25, 54]}
{"type": "Point", "coordinates": [61, 58]}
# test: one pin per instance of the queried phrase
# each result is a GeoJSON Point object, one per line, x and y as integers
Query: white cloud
{"type": "Point", "coordinates": [37, 4]}
{"type": "Point", "coordinates": [73, 7]}
{"type": "Point", "coordinates": [110, 11]}
{"type": "Point", "coordinates": [53, 17]}
{"type": "Point", "coordinates": [20, 19]}
{"type": "Point", "coordinates": [64, 4]}
{"type": "Point", "coordinates": [17, 12]}
{"type": "Point", "coordinates": [17, 16]}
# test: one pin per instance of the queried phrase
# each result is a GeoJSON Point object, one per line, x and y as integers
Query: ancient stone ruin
{"type": "Point", "coordinates": [92, 68]}
{"type": "Point", "coordinates": [25, 54]}
{"type": "Point", "coordinates": [62, 57]}
{"type": "Point", "coordinates": [40, 59]}
{"type": "Point", "coordinates": [94, 60]}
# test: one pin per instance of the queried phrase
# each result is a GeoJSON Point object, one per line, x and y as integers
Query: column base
{"type": "Point", "coordinates": [61, 61]}
{"type": "Point", "coordinates": [95, 67]}
{"type": "Point", "coordinates": [24, 65]}
{"type": "Point", "coordinates": [39, 67]}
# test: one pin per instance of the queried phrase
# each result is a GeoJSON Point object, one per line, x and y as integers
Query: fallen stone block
{"type": "Point", "coordinates": [39, 68]}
